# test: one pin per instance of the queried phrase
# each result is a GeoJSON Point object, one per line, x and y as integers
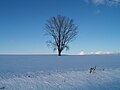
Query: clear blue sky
{"type": "Point", "coordinates": [22, 25]}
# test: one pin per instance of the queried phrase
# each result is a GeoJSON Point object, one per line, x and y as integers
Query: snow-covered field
{"type": "Point", "coordinates": [45, 72]}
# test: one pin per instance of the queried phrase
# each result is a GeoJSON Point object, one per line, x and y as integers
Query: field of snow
{"type": "Point", "coordinates": [50, 72]}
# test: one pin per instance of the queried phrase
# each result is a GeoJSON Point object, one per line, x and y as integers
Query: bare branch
{"type": "Point", "coordinates": [63, 30]}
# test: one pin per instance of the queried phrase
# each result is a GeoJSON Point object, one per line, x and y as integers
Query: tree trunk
{"type": "Point", "coordinates": [59, 52]}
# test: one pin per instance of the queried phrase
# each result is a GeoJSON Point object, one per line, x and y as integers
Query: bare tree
{"type": "Point", "coordinates": [63, 30]}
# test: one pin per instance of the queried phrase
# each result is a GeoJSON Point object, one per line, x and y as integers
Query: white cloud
{"type": "Point", "coordinates": [104, 2]}
{"type": "Point", "coordinates": [98, 1]}
{"type": "Point", "coordinates": [96, 53]}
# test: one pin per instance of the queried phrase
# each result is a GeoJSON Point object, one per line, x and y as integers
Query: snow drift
{"type": "Point", "coordinates": [59, 73]}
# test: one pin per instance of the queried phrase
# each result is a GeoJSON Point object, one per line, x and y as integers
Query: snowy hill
{"type": "Point", "coordinates": [45, 72]}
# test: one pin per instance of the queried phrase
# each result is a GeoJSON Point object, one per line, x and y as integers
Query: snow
{"type": "Point", "coordinates": [50, 72]}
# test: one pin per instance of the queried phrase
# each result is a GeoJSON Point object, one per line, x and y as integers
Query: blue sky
{"type": "Point", "coordinates": [22, 25]}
